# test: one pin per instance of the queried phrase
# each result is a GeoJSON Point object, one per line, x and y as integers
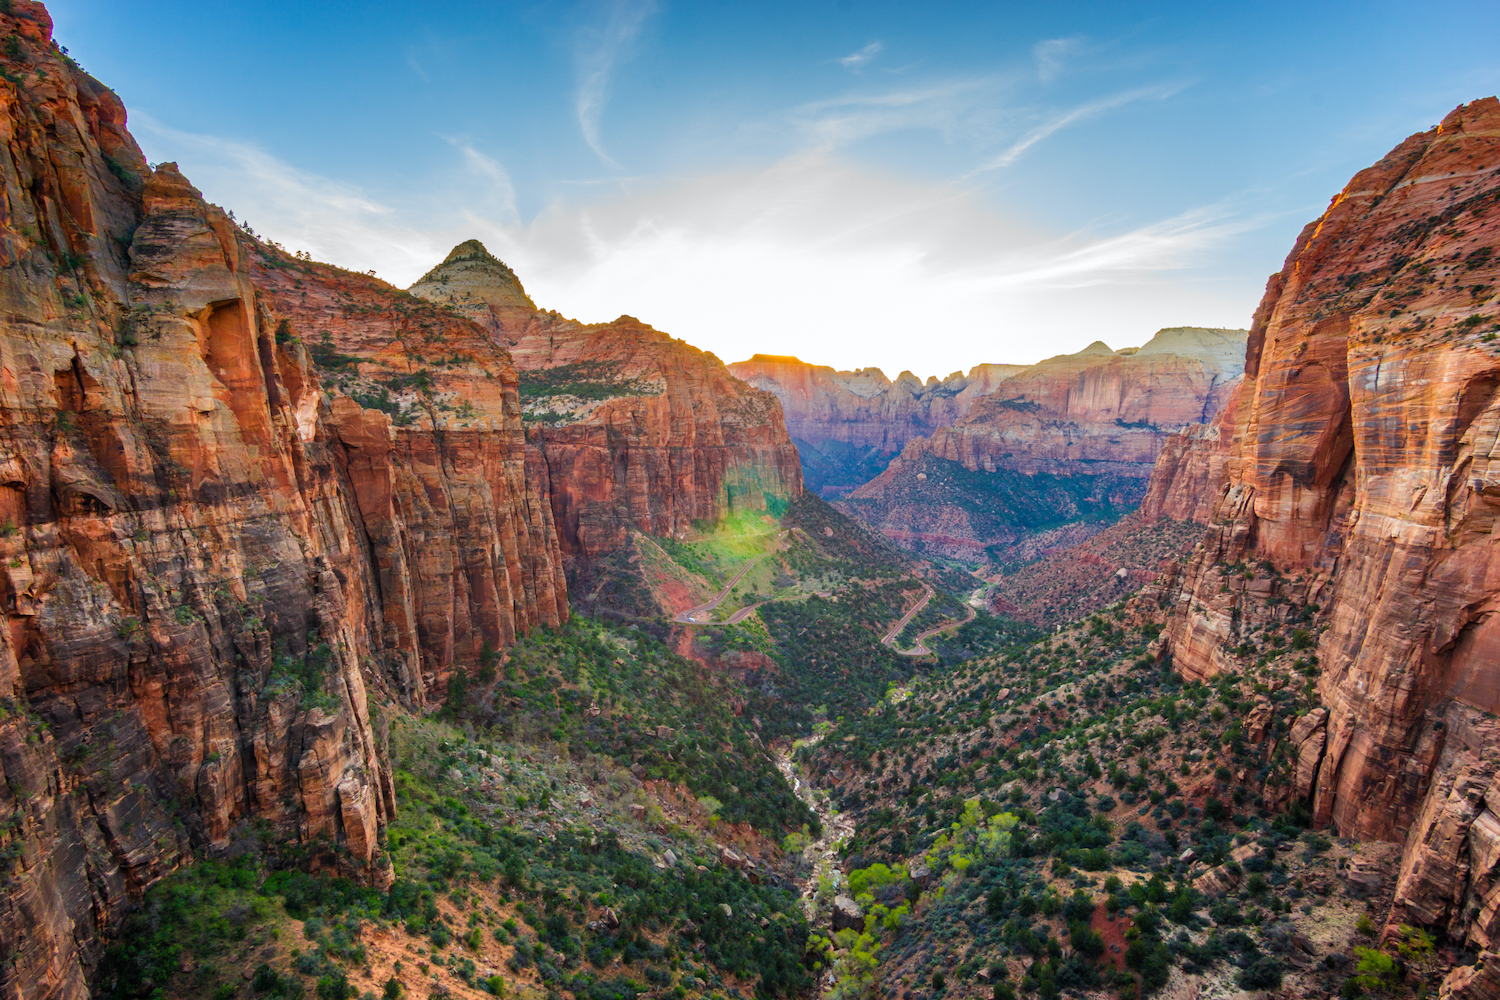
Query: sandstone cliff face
{"type": "Point", "coordinates": [1191, 470]}
{"type": "Point", "coordinates": [848, 425]}
{"type": "Point", "coordinates": [1083, 429]}
{"type": "Point", "coordinates": [1360, 467]}
{"type": "Point", "coordinates": [214, 573]}
{"type": "Point", "coordinates": [637, 430]}
{"type": "Point", "coordinates": [426, 429]}
{"type": "Point", "coordinates": [864, 408]}
{"type": "Point", "coordinates": [1112, 409]}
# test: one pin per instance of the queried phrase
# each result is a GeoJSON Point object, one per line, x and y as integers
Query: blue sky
{"type": "Point", "coordinates": [920, 186]}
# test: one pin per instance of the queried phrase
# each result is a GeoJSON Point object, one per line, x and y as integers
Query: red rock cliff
{"type": "Point", "coordinates": [1361, 467]}
{"type": "Point", "coordinates": [1191, 470]}
{"type": "Point", "coordinates": [864, 408]}
{"type": "Point", "coordinates": [1112, 409]}
{"type": "Point", "coordinates": [215, 564]}
{"type": "Point", "coordinates": [637, 429]}
{"type": "Point", "coordinates": [1097, 419]}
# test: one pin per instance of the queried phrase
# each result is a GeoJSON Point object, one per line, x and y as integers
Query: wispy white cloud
{"type": "Point", "coordinates": [1051, 54]}
{"type": "Point", "coordinates": [332, 220]}
{"type": "Point", "coordinates": [1167, 245]}
{"type": "Point", "coordinates": [1083, 112]}
{"type": "Point", "coordinates": [857, 59]}
{"type": "Point", "coordinates": [600, 48]}
{"type": "Point", "coordinates": [336, 221]}
{"type": "Point", "coordinates": [502, 191]}
{"type": "Point", "coordinates": [816, 255]}
{"type": "Point", "coordinates": [810, 255]}
{"type": "Point", "coordinates": [951, 106]}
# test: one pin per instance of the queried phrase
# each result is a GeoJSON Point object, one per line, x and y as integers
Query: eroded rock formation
{"type": "Point", "coordinates": [1360, 474]}
{"type": "Point", "coordinates": [1081, 431]}
{"type": "Point", "coordinates": [638, 430]}
{"type": "Point", "coordinates": [251, 504]}
{"type": "Point", "coordinates": [185, 578]}
{"type": "Point", "coordinates": [849, 424]}
{"type": "Point", "coordinates": [1191, 469]}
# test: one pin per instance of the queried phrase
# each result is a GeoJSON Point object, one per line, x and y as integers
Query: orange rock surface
{"type": "Point", "coordinates": [681, 440]}
{"type": "Point", "coordinates": [1191, 469]}
{"type": "Point", "coordinates": [247, 499]}
{"type": "Point", "coordinates": [864, 408]}
{"type": "Point", "coordinates": [1112, 409]}
{"type": "Point", "coordinates": [1360, 467]}
{"type": "Point", "coordinates": [1097, 417]}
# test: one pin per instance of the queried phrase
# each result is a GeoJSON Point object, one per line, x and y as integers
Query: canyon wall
{"type": "Point", "coordinates": [864, 408]}
{"type": "Point", "coordinates": [848, 425]}
{"type": "Point", "coordinates": [1360, 476]}
{"type": "Point", "coordinates": [193, 637]}
{"type": "Point", "coordinates": [251, 505]}
{"type": "Point", "coordinates": [1111, 409]}
{"type": "Point", "coordinates": [1191, 470]}
{"type": "Point", "coordinates": [1055, 451]}
{"type": "Point", "coordinates": [638, 430]}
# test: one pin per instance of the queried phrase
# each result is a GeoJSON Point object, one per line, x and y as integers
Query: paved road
{"type": "Point", "coordinates": [890, 636]}
{"type": "Point", "coordinates": [692, 616]}
{"type": "Point", "coordinates": [920, 648]}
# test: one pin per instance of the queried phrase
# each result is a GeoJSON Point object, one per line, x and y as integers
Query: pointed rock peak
{"type": "Point", "coordinates": [471, 250]}
{"type": "Point", "coordinates": [1097, 347]}
{"type": "Point", "coordinates": [472, 277]}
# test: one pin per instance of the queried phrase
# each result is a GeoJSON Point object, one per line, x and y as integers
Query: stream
{"type": "Point", "coordinates": [821, 857]}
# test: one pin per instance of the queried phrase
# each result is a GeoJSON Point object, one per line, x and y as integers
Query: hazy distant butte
{"type": "Point", "coordinates": [865, 409]}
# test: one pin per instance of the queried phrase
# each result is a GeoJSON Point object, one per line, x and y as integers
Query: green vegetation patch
{"type": "Point", "coordinates": [554, 677]}
{"type": "Point", "coordinates": [583, 380]}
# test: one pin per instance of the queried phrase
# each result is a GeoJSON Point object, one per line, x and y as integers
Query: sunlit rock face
{"type": "Point", "coordinates": [864, 408]}
{"type": "Point", "coordinates": [248, 499]}
{"type": "Point", "coordinates": [1360, 465]}
{"type": "Point", "coordinates": [848, 425]}
{"type": "Point", "coordinates": [637, 429]}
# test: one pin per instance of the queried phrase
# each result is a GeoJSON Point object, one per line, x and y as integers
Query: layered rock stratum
{"type": "Point", "coordinates": [251, 505]}
{"type": "Point", "coordinates": [639, 430]}
{"type": "Point", "coordinates": [1075, 436]}
{"type": "Point", "coordinates": [848, 424]}
{"type": "Point", "coordinates": [1358, 480]}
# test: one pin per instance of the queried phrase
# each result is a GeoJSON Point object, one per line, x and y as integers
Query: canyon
{"type": "Point", "coordinates": [300, 576]}
{"type": "Point", "coordinates": [1055, 452]}
{"type": "Point", "coordinates": [663, 434]}
{"type": "Point", "coordinates": [849, 424]}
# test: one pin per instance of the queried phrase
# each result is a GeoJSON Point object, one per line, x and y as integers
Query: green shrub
{"type": "Point", "coordinates": [1263, 973]}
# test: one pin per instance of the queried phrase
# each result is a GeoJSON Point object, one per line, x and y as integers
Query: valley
{"type": "Point", "coordinates": [378, 642]}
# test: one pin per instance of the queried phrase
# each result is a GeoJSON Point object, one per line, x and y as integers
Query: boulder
{"type": "Point", "coordinates": [847, 915]}
{"type": "Point", "coordinates": [1216, 881]}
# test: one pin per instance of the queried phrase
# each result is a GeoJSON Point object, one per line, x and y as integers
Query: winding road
{"type": "Point", "coordinates": [690, 616]}
{"type": "Point", "coordinates": [905, 619]}
{"type": "Point", "coordinates": [920, 648]}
